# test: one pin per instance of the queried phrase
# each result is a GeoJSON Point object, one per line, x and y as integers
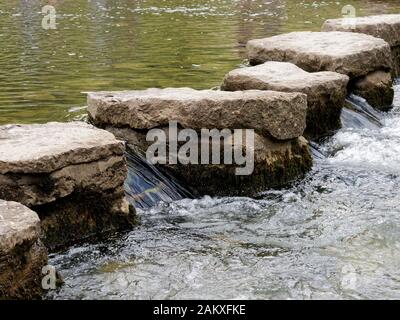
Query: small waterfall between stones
{"type": "Point", "coordinates": [146, 185]}
{"type": "Point", "coordinates": [304, 241]}
{"type": "Point", "coordinates": [358, 114]}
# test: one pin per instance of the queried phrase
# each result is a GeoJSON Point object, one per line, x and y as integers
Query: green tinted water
{"type": "Point", "coordinates": [333, 235]}
{"type": "Point", "coordinates": [127, 44]}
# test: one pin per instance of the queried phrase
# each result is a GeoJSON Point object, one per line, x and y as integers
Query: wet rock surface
{"type": "Point", "coordinates": [41, 166]}
{"type": "Point", "coordinates": [385, 26]}
{"type": "Point", "coordinates": [326, 91]}
{"type": "Point", "coordinates": [22, 254]}
{"type": "Point", "coordinates": [275, 114]}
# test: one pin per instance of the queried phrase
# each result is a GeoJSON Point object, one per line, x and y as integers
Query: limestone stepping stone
{"type": "Point", "coordinates": [385, 26]}
{"type": "Point", "coordinates": [326, 91]}
{"type": "Point", "coordinates": [22, 255]}
{"type": "Point", "coordinates": [71, 173]}
{"type": "Point", "coordinates": [45, 148]}
{"type": "Point", "coordinates": [278, 119]}
{"type": "Point", "coordinates": [354, 54]}
{"type": "Point", "coordinates": [276, 114]}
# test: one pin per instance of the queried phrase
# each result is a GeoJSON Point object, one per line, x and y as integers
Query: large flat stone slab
{"type": "Point", "coordinates": [276, 114]}
{"type": "Point", "coordinates": [326, 91]}
{"type": "Point", "coordinates": [22, 255]}
{"type": "Point", "coordinates": [385, 26]}
{"type": "Point", "coordinates": [43, 148]}
{"type": "Point", "coordinates": [352, 54]}
{"type": "Point", "coordinates": [72, 174]}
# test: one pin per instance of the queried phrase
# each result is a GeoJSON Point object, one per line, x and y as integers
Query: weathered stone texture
{"type": "Point", "coordinates": [326, 91]}
{"type": "Point", "coordinates": [385, 26]}
{"type": "Point", "coordinates": [354, 54]}
{"type": "Point", "coordinates": [276, 163]}
{"type": "Point", "coordinates": [278, 118]}
{"type": "Point", "coordinates": [22, 255]}
{"type": "Point", "coordinates": [43, 165]}
{"type": "Point", "coordinates": [276, 114]}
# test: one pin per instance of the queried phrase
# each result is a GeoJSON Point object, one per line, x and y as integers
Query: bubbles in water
{"type": "Point", "coordinates": [371, 144]}
{"type": "Point", "coordinates": [333, 235]}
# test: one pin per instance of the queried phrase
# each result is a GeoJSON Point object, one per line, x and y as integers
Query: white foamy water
{"type": "Point", "coordinates": [369, 149]}
{"type": "Point", "coordinates": [335, 234]}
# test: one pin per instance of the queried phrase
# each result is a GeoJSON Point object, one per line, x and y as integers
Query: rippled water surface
{"type": "Point", "coordinates": [336, 234]}
{"type": "Point", "coordinates": [128, 44]}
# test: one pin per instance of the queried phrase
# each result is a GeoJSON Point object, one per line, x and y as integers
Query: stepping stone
{"type": "Point", "coordinates": [22, 255]}
{"type": "Point", "coordinates": [276, 114]}
{"type": "Point", "coordinates": [326, 91]}
{"type": "Point", "coordinates": [354, 54]}
{"type": "Point", "coordinates": [385, 26]}
{"type": "Point", "coordinates": [281, 154]}
{"type": "Point", "coordinates": [71, 173]}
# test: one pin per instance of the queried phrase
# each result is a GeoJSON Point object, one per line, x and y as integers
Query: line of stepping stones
{"type": "Point", "coordinates": [71, 175]}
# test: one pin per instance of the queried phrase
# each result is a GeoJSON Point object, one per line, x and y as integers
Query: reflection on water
{"type": "Point", "coordinates": [335, 234]}
{"type": "Point", "coordinates": [125, 44]}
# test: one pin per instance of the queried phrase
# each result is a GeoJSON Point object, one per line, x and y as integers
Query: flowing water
{"type": "Point", "coordinates": [136, 44]}
{"type": "Point", "coordinates": [335, 234]}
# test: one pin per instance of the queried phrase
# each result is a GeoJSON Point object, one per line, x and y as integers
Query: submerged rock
{"type": "Point", "coordinates": [22, 255]}
{"type": "Point", "coordinates": [280, 153]}
{"type": "Point", "coordinates": [385, 26]}
{"type": "Point", "coordinates": [275, 114]}
{"type": "Point", "coordinates": [71, 174]}
{"type": "Point", "coordinates": [354, 54]}
{"type": "Point", "coordinates": [326, 91]}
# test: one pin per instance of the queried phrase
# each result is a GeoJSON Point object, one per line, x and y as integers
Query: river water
{"type": "Point", "coordinates": [136, 44]}
{"type": "Point", "coordinates": [335, 234]}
